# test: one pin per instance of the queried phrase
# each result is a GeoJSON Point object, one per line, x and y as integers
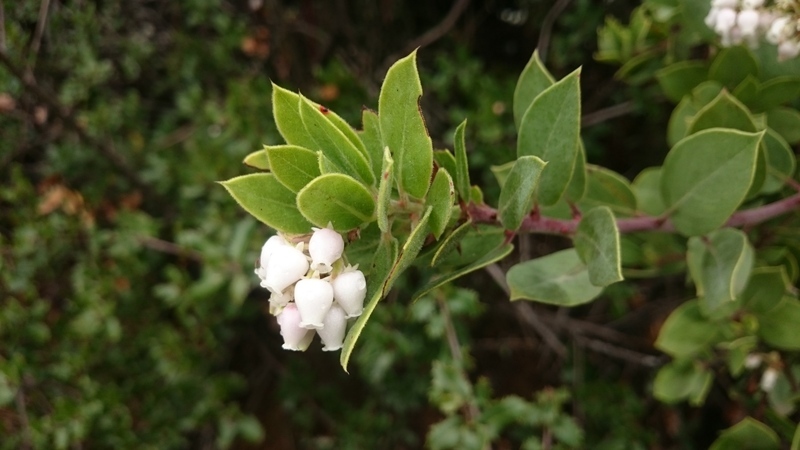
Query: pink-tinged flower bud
{"type": "Point", "coordinates": [286, 265]}
{"type": "Point", "coordinates": [314, 298]}
{"type": "Point", "coordinates": [266, 252]}
{"type": "Point", "coordinates": [332, 333]}
{"type": "Point", "coordinates": [349, 290]}
{"type": "Point", "coordinates": [294, 336]}
{"type": "Point", "coordinates": [325, 247]}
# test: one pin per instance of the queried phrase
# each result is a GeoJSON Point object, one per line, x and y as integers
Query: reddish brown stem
{"type": "Point", "coordinates": [535, 223]}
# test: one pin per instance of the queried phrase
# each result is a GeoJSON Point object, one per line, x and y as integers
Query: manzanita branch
{"type": "Point", "coordinates": [535, 223]}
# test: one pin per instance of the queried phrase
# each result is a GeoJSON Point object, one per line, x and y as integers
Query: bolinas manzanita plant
{"type": "Point", "coordinates": [384, 200]}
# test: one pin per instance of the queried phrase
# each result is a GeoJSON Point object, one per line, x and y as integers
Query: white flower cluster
{"type": "Point", "coordinates": [312, 291]}
{"type": "Point", "coordinates": [747, 21]}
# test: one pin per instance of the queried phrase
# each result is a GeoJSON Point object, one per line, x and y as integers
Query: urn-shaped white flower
{"type": "Point", "coordinates": [286, 265]}
{"type": "Point", "coordinates": [325, 247]}
{"type": "Point", "coordinates": [314, 298]}
{"type": "Point", "coordinates": [266, 252]}
{"type": "Point", "coordinates": [349, 290]}
{"type": "Point", "coordinates": [332, 333]}
{"type": "Point", "coordinates": [294, 336]}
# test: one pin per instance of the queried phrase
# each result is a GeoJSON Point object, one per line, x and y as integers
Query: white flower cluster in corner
{"type": "Point", "coordinates": [748, 21]}
{"type": "Point", "coordinates": [313, 292]}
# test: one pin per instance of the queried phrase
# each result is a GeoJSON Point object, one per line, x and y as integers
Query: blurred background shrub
{"type": "Point", "coordinates": [129, 313]}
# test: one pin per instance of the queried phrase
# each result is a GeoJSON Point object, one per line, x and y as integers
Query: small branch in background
{"type": "Point", "coordinates": [2, 28]}
{"type": "Point", "coordinates": [621, 353]}
{"type": "Point", "coordinates": [36, 44]}
{"type": "Point", "coordinates": [102, 147]}
{"type": "Point", "coordinates": [170, 248]}
{"type": "Point", "coordinates": [602, 115]}
{"type": "Point", "coordinates": [472, 411]}
{"type": "Point", "coordinates": [434, 34]}
{"type": "Point", "coordinates": [22, 410]}
{"type": "Point", "coordinates": [547, 27]}
{"type": "Point", "coordinates": [442, 28]}
{"type": "Point", "coordinates": [527, 315]}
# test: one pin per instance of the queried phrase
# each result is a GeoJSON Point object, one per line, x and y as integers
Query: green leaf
{"type": "Point", "coordinates": [559, 279]}
{"type": "Point", "coordinates": [796, 439]}
{"type": "Point", "coordinates": [293, 166]}
{"type": "Point", "coordinates": [720, 265]}
{"type": "Point", "coordinates": [550, 129]}
{"type": "Point", "coordinates": [338, 199]}
{"type": "Point", "coordinates": [385, 191]}
{"type": "Point", "coordinates": [578, 183]}
{"type": "Point", "coordinates": [263, 196]}
{"type": "Point", "coordinates": [336, 147]}
{"type": "Point", "coordinates": [533, 80]}
{"type": "Point", "coordinates": [451, 242]}
{"type": "Point", "coordinates": [445, 158]}
{"type": "Point", "coordinates": [371, 136]}
{"type": "Point", "coordinates": [780, 160]}
{"type": "Point", "coordinates": [462, 167]}
{"type": "Point", "coordinates": [725, 111]}
{"type": "Point", "coordinates": [749, 434]}
{"type": "Point", "coordinates": [441, 197]}
{"type": "Point", "coordinates": [345, 128]}
{"type": "Point", "coordinates": [501, 172]}
{"type": "Point", "coordinates": [597, 243]}
{"type": "Point", "coordinates": [765, 289]}
{"type": "Point", "coordinates": [678, 80]}
{"type": "Point", "coordinates": [682, 380]}
{"type": "Point", "coordinates": [478, 241]}
{"type": "Point", "coordinates": [257, 160]}
{"type": "Point", "coordinates": [385, 258]}
{"type": "Point", "coordinates": [778, 326]}
{"type": "Point", "coordinates": [686, 332]}
{"type": "Point", "coordinates": [516, 195]}
{"type": "Point", "coordinates": [776, 92]}
{"type": "Point", "coordinates": [605, 187]}
{"type": "Point", "coordinates": [785, 121]}
{"type": "Point", "coordinates": [732, 65]}
{"type": "Point", "coordinates": [706, 177]}
{"type": "Point", "coordinates": [647, 186]}
{"type": "Point", "coordinates": [411, 248]}
{"type": "Point", "coordinates": [678, 124]}
{"type": "Point", "coordinates": [439, 280]}
{"type": "Point", "coordinates": [747, 91]}
{"type": "Point", "coordinates": [403, 127]}
{"type": "Point", "coordinates": [286, 110]}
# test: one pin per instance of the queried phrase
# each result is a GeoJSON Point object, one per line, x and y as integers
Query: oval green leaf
{"type": "Point", "coordinates": [263, 196]}
{"type": "Point", "coordinates": [336, 147]}
{"type": "Point", "coordinates": [257, 160]}
{"type": "Point", "coordinates": [720, 264]}
{"type": "Point", "coordinates": [516, 195]}
{"type": "Point", "coordinates": [441, 197]}
{"type": "Point", "coordinates": [403, 127]}
{"type": "Point", "coordinates": [286, 111]}
{"type": "Point", "coordinates": [559, 279]}
{"type": "Point", "coordinates": [293, 166]}
{"type": "Point", "coordinates": [338, 199]}
{"type": "Point", "coordinates": [678, 80]}
{"type": "Point", "coordinates": [749, 434]}
{"type": "Point", "coordinates": [647, 187]}
{"type": "Point", "coordinates": [604, 187]}
{"type": "Point", "coordinates": [550, 130]}
{"type": "Point", "coordinates": [533, 80]}
{"type": "Point", "coordinates": [597, 243]}
{"type": "Point", "coordinates": [725, 111]}
{"type": "Point", "coordinates": [686, 332]}
{"type": "Point", "coordinates": [706, 177]}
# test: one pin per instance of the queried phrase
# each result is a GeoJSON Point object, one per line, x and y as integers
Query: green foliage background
{"type": "Point", "coordinates": [129, 313]}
